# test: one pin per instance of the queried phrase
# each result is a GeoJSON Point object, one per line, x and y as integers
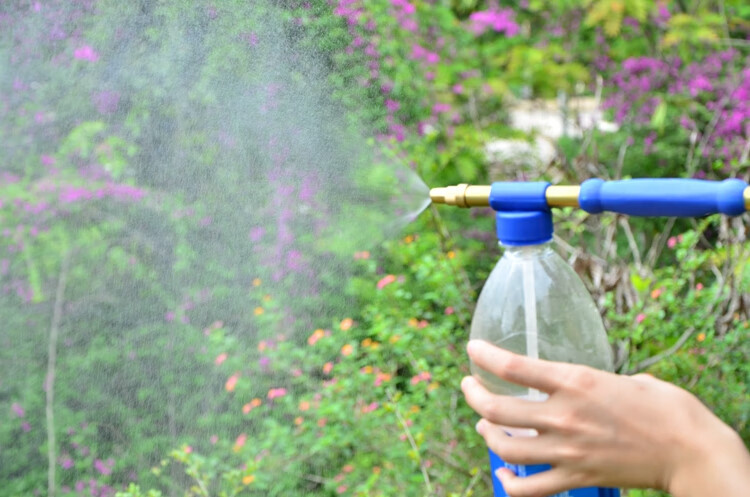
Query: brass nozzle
{"type": "Point", "coordinates": [746, 196]}
{"type": "Point", "coordinates": [462, 195]}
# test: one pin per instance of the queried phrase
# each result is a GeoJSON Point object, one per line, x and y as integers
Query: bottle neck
{"type": "Point", "coordinates": [526, 251]}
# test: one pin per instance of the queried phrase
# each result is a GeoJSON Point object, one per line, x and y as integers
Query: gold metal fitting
{"type": "Point", "coordinates": [462, 195]}
{"type": "Point", "coordinates": [746, 196]}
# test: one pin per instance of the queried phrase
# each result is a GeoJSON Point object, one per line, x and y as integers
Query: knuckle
{"type": "Point", "coordinates": [509, 366]}
{"type": "Point", "coordinates": [570, 453]}
{"type": "Point", "coordinates": [583, 379]}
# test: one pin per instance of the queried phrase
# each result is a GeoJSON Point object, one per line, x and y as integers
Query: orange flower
{"type": "Point", "coordinates": [451, 254]}
{"type": "Point", "coordinates": [366, 370]}
{"type": "Point", "coordinates": [298, 420]}
{"type": "Point", "coordinates": [257, 282]}
{"type": "Point", "coordinates": [367, 342]}
{"type": "Point", "coordinates": [346, 324]}
{"type": "Point", "coordinates": [328, 367]}
{"type": "Point", "coordinates": [247, 480]}
{"type": "Point", "coordinates": [348, 468]}
{"type": "Point", "coordinates": [376, 470]}
{"type": "Point", "coordinates": [408, 239]}
{"type": "Point", "coordinates": [322, 422]}
{"type": "Point", "coordinates": [394, 339]}
{"type": "Point", "coordinates": [247, 408]}
{"type": "Point", "coordinates": [701, 337]}
{"type": "Point", "coordinates": [266, 298]}
{"type": "Point", "coordinates": [304, 405]}
{"type": "Point", "coordinates": [655, 293]}
{"type": "Point", "coordinates": [232, 382]}
{"type": "Point", "coordinates": [256, 402]}
{"type": "Point", "coordinates": [220, 358]}
{"type": "Point", "coordinates": [317, 335]}
{"type": "Point", "coordinates": [385, 281]}
{"type": "Point", "coordinates": [262, 346]}
{"type": "Point", "coordinates": [258, 311]}
{"type": "Point", "coordinates": [347, 350]}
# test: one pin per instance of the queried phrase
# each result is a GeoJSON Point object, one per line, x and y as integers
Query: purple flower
{"type": "Point", "coordinates": [102, 467]}
{"type": "Point", "coordinates": [15, 407]}
{"type": "Point", "coordinates": [440, 108]}
{"type": "Point", "coordinates": [498, 20]}
{"type": "Point", "coordinates": [66, 462]}
{"type": "Point", "coordinates": [86, 53]}
{"type": "Point", "coordinates": [169, 317]}
{"type": "Point", "coordinates": [698, 84]}
{"type": "Point", "coordinates": [106, 102]}
{"type": "Point", "coordinates": [48, 160]}
{"type": "Point", "coordinates": [392, 105]}
{"type": "Point", "coordinates": [26, 427]}
{"type": "Point", "coordinates": [257, 233]}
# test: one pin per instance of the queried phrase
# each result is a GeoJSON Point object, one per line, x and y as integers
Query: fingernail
{"type": "Point", "coordinates": [479, 427]}
{"type": "Point", "coordinates": [503, 473]}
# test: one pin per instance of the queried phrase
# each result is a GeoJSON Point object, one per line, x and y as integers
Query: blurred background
{"type": "Point", "coordinates": [214, 275]}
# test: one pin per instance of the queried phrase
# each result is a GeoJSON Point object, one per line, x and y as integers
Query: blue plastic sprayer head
{"type": "Point", "coordinates": [672, 197]}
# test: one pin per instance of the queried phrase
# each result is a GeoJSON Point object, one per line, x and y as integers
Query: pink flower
{"type": "Point", "coordinates": [699, 287]}
{"type": "Point", "coordinates": [392, 105]}
{"type": "Point", "coordinates": [449, 310]}
{"type": "Point", "coordinates": [276, 393]}
{"type": "Point", "coordinates": [639, 318]}
{"type": "Point", "coordinates": [370, 407]}
{"type": "Point", "coordinates": [240, 441]}
{"type": "Point", "coordinates": [220, 358]}
{"type": "Point", "coordinates": [86, 53]}
{"type": "Point", "coordinates": [18, 410]}
{"type": "Point", "coordinates": [423, 376]}
{"type": "Point", "coordinates": [341, 489]}
{"type": "Point", "coordinates": [385, 281]}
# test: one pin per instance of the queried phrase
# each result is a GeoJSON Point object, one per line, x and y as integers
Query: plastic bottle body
{"type": "Point", "coordinates": [534, 304]}
{"type": "Point", "coordinates": [568, 325]}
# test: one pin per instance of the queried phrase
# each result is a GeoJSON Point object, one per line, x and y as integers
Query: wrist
{"type": "Point", "coordinates": [714, 462]}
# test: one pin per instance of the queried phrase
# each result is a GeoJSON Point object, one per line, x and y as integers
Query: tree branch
{"type": "Point", "coordinates": [51, 364]}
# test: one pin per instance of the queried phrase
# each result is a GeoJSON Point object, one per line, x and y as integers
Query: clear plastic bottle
{"type": "Point", "coordinates": [534, 304]}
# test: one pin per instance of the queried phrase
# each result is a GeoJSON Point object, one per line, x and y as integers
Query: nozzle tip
{"type": "Point", "coordinates": [437, 195]}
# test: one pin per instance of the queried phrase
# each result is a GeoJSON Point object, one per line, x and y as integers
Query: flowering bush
{"type": "Point", "coordinates": [217, 337]}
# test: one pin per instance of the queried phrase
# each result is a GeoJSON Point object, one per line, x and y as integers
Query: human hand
{"type": "Point", "coordinates": [601, 429]}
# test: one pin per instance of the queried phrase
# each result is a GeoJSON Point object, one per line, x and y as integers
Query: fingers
{"type": "Point", "coordinates": [541, 484]}
{"type": "Point", "coordinates": [534, 373]}
{"type": "Point", "coordinates": [515, 449]}
{"type": "Point", "coordinates": [502, 410]}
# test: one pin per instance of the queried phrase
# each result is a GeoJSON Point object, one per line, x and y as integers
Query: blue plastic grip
{"type": "Point", "coordinates": [519, 196]}
{"type": "Point", "coordinates": [663, 197]}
